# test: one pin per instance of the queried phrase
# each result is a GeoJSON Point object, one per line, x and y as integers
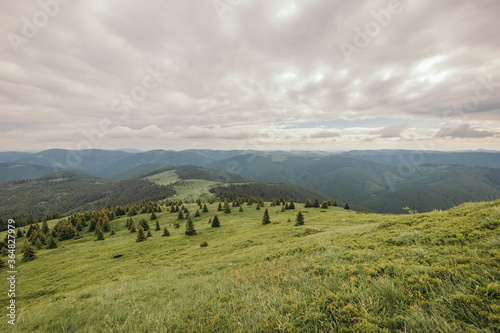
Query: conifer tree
{"type": "Point", "coordinates": [227, 209]}
{"type": "Point", "coordinates": [157, 226]}
{"type": "Point", "coordinates": [334, 203]}
{"type": "Point", "coordinates": [205, 208]}
{"type": "Point", "coordinates": [291, 205]}
{"type": "Point", "coordinates": [197, 213]}
{"type": "Point", "coordinates": [45, 227]}
{"type": "Point", "coordinates": [308, 203]}
{"type": "Point", "coordinates": [99, 235]}
{"type": "Point", "coordinates": [324, 205]}
{"type": "Point", "coordinates": [38, 244]}
{"type": "Point", "coordinates": [282, 209]}
{"type": "Point", "coordinates": [316, 203]}
{"type": "Point", "coordinates": [215, 222]}
{"type": "Point", "coordinates": [28, 253]}
{"type": "Point", "coordinates": [241, 209]}
{"type": "Point", "coordinates": [112, 232]}
{"type": "Point", "coordinates": [93, 225]}
{"type": "Point", "coordinates": [132, 227]}
{"type": "Point", "coordinates": [289, 220]}
{"type": "Point", "coordinates": [165, 232]}
{"type": "Point", "coordinates": [266, 219]}
{"type": "Point", "coordinates": [149, 233]}
{"type": "Point", "coordinates": [346, 206]}
{"type": "Point", "coordinates": [51, 244]}
{"type": "Point", "coordinates": [176, 225]}
{"type": "Point", "coordinates": [258, 207]}
{"type": "Point", "coordinates": [153, 216]}
{"type": "Point", "coordinates": [105, 225]}
{"type": "Point", "coordinates": [210, 220]}
{"type": "Point", "coordinates": [180, 216]}
{"type": "Point", "coordinates": [19, 233]}
{"type": "Point", "coordinates": [299, 220]}
{"type": "Point", "coordinates": [77, 235]}
{"type": "Point", "coordinates": [144, 224]}
{"type": "Point", "coordinates": [219, 208]}
{"type": "Point", "coordinates": [141, 236]}
{"type": "Point", "coordinates": [190, 230]}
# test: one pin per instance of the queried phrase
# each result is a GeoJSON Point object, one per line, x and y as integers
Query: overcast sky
{"type": "Point", "coordinates": [261, 74]}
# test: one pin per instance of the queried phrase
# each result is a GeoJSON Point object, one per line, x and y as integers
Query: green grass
{"type": "Point", "coordinates": [433, 272]}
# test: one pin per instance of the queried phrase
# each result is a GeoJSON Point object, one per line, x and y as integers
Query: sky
{"type": "Point", "coordinates": [249, 74]}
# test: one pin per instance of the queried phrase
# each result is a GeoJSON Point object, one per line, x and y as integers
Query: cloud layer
{"type": "Point", "coordinates": [261, 74]}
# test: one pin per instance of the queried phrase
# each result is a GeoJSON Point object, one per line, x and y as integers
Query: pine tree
{"type": "Point", "coordinates": [105, 225]}
{"type": "Point", "coordinates": [132, 227]}
{"type": "Point", "coordinates": [266, 219]}
{"type": "Point", "coordinates": [289, 220]}
{"type": "Point", "coordinates": [77, 235]}
{"type": "Point", "coordinates": [299, 220]}
{"type": "Point", "coordinates": [205, 208]}
{"type": "Point", "coordinates": [144, 224]}
{"type": "Point", "coordinates": [28, 253]}
{"type": "Point", "coordinates": [210, 220]}
{"type": "Point", "coordinates": [149, 233]}
{"type": "Point", "coordinates": [153, 216]}
{"type": "Point", "coordinates": [197, 213]}
{"type": "Point", "coordinates": [219, 208]}
{"type": "Point", "coordinates": [215, 222]}
{"type": "Point", "coordinates": [346, 206]}
{"type": "Point", "coordinates": [227, 210]}
{"type": "Point", "coordinates": [176, 225]}
{"type": "Point", "coordinates": [291, 205]}
{"type": "Point", "coordinates": [165, 232]}
{"type": "Point", "coordinates": [241, 209]}
{"type": "Point", "coordinates": [334, 203]}
{"type": "Point", "coordinates": [258, 207]}
{"type": "Point", "coordinates": [19, 233]}
{"type": "Point", "coordinates": [99, 234]}
{"type": "Point", "coordinates": [180, 216]}
{"type": "Point", "coordinates": [190, 230]}
{"type": "Point", "coordinates": [140, 235]}
{"type": "Point", "coordinates": [157, 226]}
{"type": "Point", "coordinates": [308, 203]}
{"type": "Point", "coordinates": [324, 205]}
{"type": "Point", "coordinates": [51, 244]}
{"type": "Point", "coordinates": [316, 203]}
{"type": "Point", "coordinates": [45, 227]}
{"type": "Point", "coordinates": [38, 244]}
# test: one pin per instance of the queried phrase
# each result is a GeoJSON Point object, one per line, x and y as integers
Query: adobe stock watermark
{"type": "Point", "coordinates": [372, 29]}
{"type": "Point", "coordinates": [122, 105]}
{"type": "Point", "coordinates": [226, 8]}
{"type": "Point", "coordinates": [31, 27]}
{"type": "Point", "coordinates": [485, 87]}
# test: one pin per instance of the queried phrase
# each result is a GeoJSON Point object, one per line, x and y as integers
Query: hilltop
{"type": "Point", "coordinates": [364, 272]}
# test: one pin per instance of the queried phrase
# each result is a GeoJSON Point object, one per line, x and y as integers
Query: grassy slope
{"type": "Point", "coordinates": [433, 272]}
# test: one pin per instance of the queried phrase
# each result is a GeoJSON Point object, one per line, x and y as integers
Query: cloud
{"type": "Point", "coordinates": [324, 134]}
{"type": "Point", "coordinates": [463, 131]}
{"type": "Point", "coordinates": [393, 131]}
{"type": "Point", "coordinates": [224, 76]}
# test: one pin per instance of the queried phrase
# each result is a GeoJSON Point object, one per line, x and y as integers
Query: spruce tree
{"type": "Point", "coordinates": [157, 226]}
{"type": "Point", "coordinates": [176, 225]}
{"type": "Point", "coordinates": [307, 204]}
{"type": "Point", "coordinates": [215, 222]}
{"type": "Point", "coordinates": [19, 233]}
{"type": "Point", "coordinates": [112, 232]}
{"type": "Point", "coordinates": [334, 203]}
{"type": "Point", "coordinates": [99, 235]}
{"type": "Point", "coordinates": [219, 208]}
{"type": "Point", "coordinates": [144, 224]}
{"type": "Point", "coordinates": [51, 244]}
{"type": "Point", "coordinates": [324, 205]}
{"type": "Point", "coordinates": [291, 205]}
{"type": "Point", "coordinates": [299, 220]}
{"type": "Point", "coordinates": [197, 213]}
{"type": "Point", "coordinates": [180, 216]}
{"type": "Point", "coordinates": [45, 227]}
{"type": "Point", "coordinates": [149, 233]}
{"type": "Point", "coordinates": [346, 206]}
{"type": "Point", "coordinates": [316, 203]}
{"type": "Point", "coordinates": [205, 208]}
{"type": "Point", "coordinates": [153, 216]}
{"type": "Point", "coordinates": [227, 209]}
{"type": "Point", "coordinates": [210, 220]}
{"type": "Point", "coordinates": [266, 219]}
{"type": "Point", "coordinates": [132, 227]}
{"type": "Point", "coordinates": [258, 207]}
{"type": "Point", "coordinates": [28, 253]}
{"type": "Point", "coordinates": [190, 230]}
{"type": "Point", "coordinates": [165, 232]}
{"type": "Point", "coordinates": [77, 235]}
{"type": "Point", "coordinates": [141, 236]}
{"type": "Point", "coordinates": [38, 244]}
{"type": "Point", "coordinates": [241, 209]}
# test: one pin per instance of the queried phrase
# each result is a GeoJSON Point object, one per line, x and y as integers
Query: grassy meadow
{"type": "Point", "coordinates": [430, 272]}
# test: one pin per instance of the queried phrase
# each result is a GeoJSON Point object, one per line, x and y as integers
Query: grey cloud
{"type": "Point", "coordinates": [463, 131]}
{"type": "Point", "coordinates": [393, 131]}
{"type": "Point", "coordinates": [324, 134]}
